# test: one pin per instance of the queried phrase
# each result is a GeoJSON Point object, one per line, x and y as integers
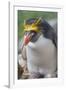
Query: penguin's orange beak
{"type": "Point", "coordinates": [26, 39]}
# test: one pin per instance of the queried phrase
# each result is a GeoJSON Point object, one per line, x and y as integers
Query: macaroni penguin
{"type": "Point", "coordinates": [40, 41]}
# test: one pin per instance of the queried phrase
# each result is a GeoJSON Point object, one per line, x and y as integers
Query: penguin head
{"type": "Point", "coordinates": [31, 28]}
{"type": "Point", "coordinates": [35, 26]}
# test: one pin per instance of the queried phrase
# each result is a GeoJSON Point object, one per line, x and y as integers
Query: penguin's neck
{"type": "Point", "coordinates": [41, 42]}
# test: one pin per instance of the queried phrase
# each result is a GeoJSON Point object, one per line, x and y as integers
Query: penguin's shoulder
{"type": "Point", "coordinates": [49, 32]}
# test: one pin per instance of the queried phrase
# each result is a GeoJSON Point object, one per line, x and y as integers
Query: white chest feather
{"type": "Point", "coordinates": [41, 56]}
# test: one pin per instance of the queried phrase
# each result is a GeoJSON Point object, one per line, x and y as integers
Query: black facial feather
{"type": "Point", "coordinates": [34, 35]}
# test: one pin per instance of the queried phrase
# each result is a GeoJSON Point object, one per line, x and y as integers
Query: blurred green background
{"type": "Point", "coordinates": [23, 15]}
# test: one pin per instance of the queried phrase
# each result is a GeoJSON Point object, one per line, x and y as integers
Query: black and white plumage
{"type": "Point", "coordinates": [41, 51]}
